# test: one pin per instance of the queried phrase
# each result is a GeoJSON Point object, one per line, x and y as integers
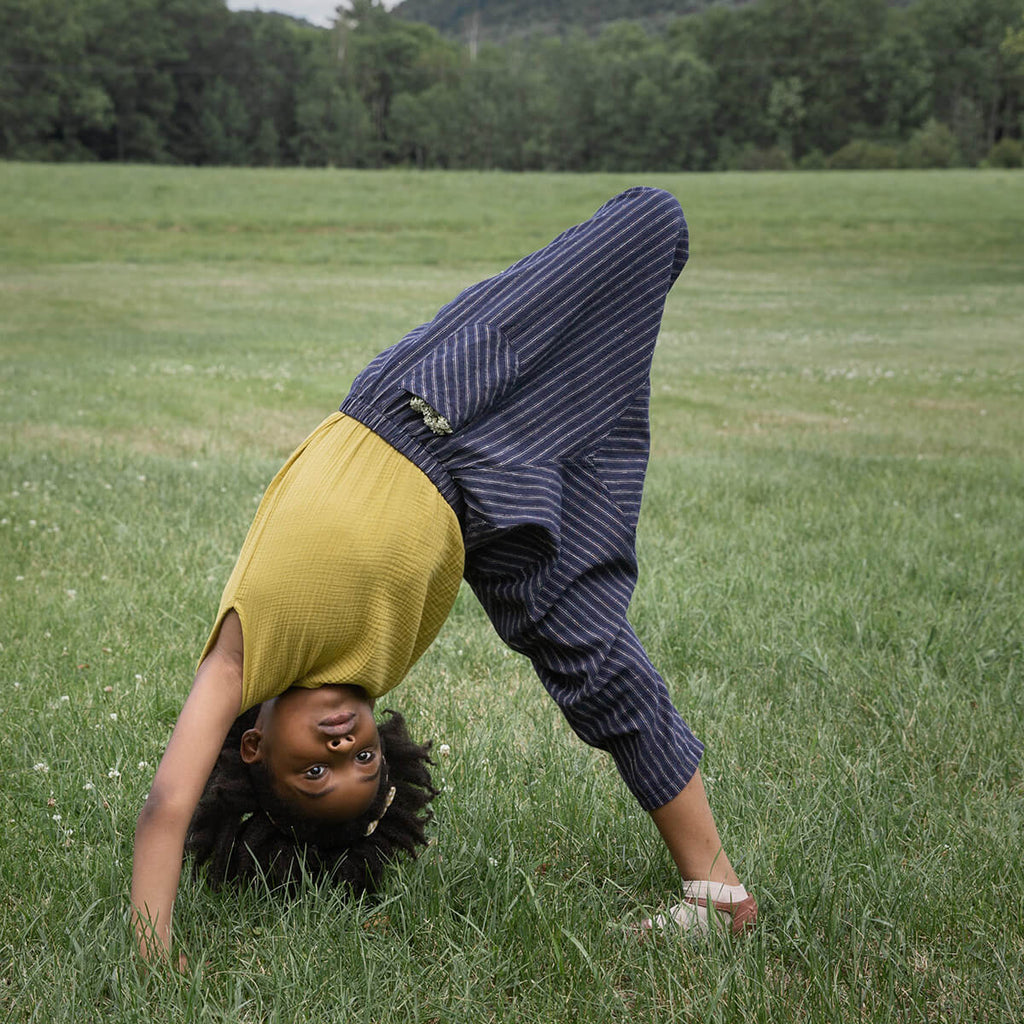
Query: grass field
{"type": "Point", "coordinates": [832, 558]}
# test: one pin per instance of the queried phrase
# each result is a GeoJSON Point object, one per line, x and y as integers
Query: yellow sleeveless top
{"type": "Point", "coordinates": [350, 568]}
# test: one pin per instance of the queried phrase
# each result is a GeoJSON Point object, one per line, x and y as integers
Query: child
{"type": "Point", "coordinates": [506, 441]}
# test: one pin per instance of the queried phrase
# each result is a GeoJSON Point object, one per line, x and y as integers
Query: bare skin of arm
{"type": "Point", "coordinates": [198, 736]}
{"type": "Point", "coordinates": [690, 833]}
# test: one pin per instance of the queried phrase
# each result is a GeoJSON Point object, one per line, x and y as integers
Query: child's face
{"type": "Point", "coordinates": [321, 749]}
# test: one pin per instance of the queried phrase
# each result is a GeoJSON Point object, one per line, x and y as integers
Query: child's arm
{"type": "Point", "coordinates": [198, 736]}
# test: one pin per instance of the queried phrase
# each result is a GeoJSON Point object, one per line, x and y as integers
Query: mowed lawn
{"type": "Point", "coordinates": [832, 584]}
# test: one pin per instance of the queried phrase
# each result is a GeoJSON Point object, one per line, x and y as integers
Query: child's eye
{"type": "Point", "coordinates": [366, 756]}
{"type": "Point", "coordinates": [315, 772]}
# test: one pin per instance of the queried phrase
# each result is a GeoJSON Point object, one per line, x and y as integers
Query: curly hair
{"type": "Point", "coordinates": [242, 832]}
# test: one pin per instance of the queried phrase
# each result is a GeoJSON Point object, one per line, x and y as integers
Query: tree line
{"type": "Point", "coordinates": [499, 20]}
{"type": "Point", "coordinates": [775, 84]}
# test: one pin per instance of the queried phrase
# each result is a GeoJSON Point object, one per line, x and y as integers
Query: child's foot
{"type": "Point", "coordinates": [708, 905]}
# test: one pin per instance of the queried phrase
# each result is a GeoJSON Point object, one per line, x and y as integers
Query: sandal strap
{"type": "Point", "coordinates": [743, 912]}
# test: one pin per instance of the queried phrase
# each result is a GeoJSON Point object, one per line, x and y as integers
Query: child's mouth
{"type": "Point", "coordinates": [340, 724]}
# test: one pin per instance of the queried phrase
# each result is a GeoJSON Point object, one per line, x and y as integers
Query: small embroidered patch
{"type": "Point", "coordinates": [431, 417]}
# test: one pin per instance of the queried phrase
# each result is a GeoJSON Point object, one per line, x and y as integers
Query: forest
{"type": "Point", "coordinates": [775, 84]}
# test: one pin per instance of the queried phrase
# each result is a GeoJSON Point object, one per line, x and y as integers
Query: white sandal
{"type": "Point", "coordinates": [692, 914]}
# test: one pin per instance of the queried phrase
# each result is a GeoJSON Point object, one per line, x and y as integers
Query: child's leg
{"type": "Point", "coordinates": [712, 892]}
{"type": "Point", "coordinates": [688, 828]}
{"type": "Point", "coordinates": [539, 363]}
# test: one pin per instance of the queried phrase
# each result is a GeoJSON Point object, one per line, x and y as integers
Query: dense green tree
{"type": "Point", "coordinates": [1011, 50]}
{"type": "Point", "coordinates": [503, 88]}
{"type": "Point", "coordinates": [482, 120]}
{"type": "Point", "coordinates": [567, 130]}
{"type": "Point", "coordinates": [786, 111]}
{"type": "Point", "coordinates": [652, 104]}
{"type": "Point", "coordinates": [818, 48]}
{"type": "Point", "coordinates": [48, 97]}
{"type": "Point", "coordinates": [280, 51]}
{"type": "Point", "coordinates": [734, 45]}
{"type": "Point", "coordinates": [332, 123]}
{"type": "Point", "coordinates": [973, 87]}
{"type": "Point", "coordinates": [202, 28]}
{"type": "Point", "coordinates": [384, 57]}
{"type": "Point", "coordinates": [131, 47]}
{"type": "Point", "coordinates": [223, 126]}
{"type": "Point", "coordinates": [933, 145]}
{"type": "Point", "coordinates": [897, 81]}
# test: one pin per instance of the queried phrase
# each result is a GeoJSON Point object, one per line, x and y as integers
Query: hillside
{"type": "Point", "coordinates": [499, 19]}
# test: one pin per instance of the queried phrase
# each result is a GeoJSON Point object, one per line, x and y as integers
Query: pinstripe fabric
{"type": "Point", "coordinates": [540, 381]}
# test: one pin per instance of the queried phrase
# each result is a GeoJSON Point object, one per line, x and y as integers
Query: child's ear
{"type": "Point", "coordinates": [250, 747]}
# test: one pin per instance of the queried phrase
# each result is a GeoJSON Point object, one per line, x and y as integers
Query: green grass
{"type": "Point", "coordinates": [832, 554]}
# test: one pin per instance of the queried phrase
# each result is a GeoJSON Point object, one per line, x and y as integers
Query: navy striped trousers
{"type": "Point", "coordinates": [525, 400]}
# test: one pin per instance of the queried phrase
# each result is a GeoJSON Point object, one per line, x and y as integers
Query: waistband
{"type": "Point", "coordinates": [394, 433]}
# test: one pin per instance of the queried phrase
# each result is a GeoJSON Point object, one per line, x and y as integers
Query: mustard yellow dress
{"type": "Point", "coordinates": [349, 569]}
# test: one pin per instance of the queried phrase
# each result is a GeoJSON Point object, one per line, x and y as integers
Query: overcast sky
{"type": "Point", "coordinates": [319, 12]}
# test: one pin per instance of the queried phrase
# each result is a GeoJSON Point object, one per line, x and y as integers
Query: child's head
{"type": "Point", "coordinates": [309, 779]}
{"type": "Point", "coordinates": [318, 751]}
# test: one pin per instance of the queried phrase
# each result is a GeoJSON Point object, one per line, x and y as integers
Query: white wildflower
{"type": "Point", "coordinates": [444, 750]}
{"type": "Point", "coordinates": [88, 787]}
{"type": "Point", "coordinates": [113, 774]}
{"type": "Point", "coordinates": [41, 766]}
{"type": "Point", "coordinates": [113, 716]}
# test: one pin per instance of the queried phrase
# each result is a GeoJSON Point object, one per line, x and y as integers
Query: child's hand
{"type": "Point", "coordinates": [156, 958]}
{"type": "Point", "coordinates": [177, 786]}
